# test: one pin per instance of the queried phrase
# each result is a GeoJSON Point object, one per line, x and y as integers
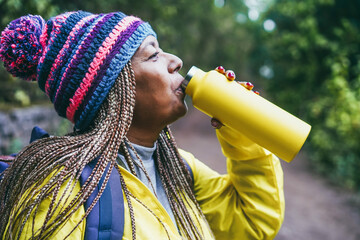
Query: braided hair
{"type": "Point", "coordinates": [23, 186]}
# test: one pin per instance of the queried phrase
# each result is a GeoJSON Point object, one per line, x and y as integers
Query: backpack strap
{"type": "Point", "coordinates": [4, 164]}
{"type": "Point", "coordinates": [106, 220]}
{"type": "Point", "coordinates": [38, 133]}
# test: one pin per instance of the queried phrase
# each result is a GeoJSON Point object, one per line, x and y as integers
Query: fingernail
{"type": "Point", "coordinates": [256, 92]}
{"type": "Point", "coordinates": [220, 69]}
{"type": "Point", "coordinates": [249, 85]}
{"type": "Point", "coordinates": [230, 75]}
{"type": "Point", "coordinates": [215, 124]}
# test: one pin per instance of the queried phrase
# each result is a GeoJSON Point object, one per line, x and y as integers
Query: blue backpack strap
{"type": "Point", "coordinates": [106, 220]}
{"type": "Point", "coordinates": [38, 133]}
{"type": "Point", "coordinates": [3, 165]}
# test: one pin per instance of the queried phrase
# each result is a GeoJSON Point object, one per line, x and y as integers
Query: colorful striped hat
{"type": "Point", "coordinates": [75, 57]}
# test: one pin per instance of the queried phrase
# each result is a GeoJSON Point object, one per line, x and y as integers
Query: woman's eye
{"type": "Point", "coordinates": [153, 56]}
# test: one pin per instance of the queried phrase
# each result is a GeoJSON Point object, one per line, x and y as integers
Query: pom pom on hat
{"type": "Point", "coordinates": [20, 47]}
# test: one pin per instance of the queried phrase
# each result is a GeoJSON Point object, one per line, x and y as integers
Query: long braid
{"type": "Point", "coordinates": [131, 209]}
{"type": "Point", "coordinates": [177, 183]}
{"type": "Point", "coordinates": [64, 158]}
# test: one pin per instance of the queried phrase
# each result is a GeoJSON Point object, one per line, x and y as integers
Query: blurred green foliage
{"type": "Point", "coordinates": [314, 53]}
{"type": "Point", "coordinates": [197, 31]}
{"type": "Point", "coordinates": [309, 64]}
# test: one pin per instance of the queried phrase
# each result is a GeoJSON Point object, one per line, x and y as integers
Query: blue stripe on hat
{"type": "Point", "coordinates": [55, 47]}
{"type": "Point", "coordinates": [117, 64]}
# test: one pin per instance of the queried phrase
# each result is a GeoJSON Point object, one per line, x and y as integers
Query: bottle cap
{"type": "Point", "coordinates": [188, 77]}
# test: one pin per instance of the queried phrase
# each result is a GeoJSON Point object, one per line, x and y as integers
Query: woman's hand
{"type": "Point", "coordinates": [230, 75]}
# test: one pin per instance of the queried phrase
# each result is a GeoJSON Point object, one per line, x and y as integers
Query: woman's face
{"type": "Point", "coordinates": [159, 98]}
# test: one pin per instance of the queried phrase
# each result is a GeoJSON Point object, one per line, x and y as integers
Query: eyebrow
{"type": "Point", "coordinates": [151, 43]}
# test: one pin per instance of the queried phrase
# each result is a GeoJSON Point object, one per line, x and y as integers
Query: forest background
{"type": "Point", "coordinates": [303, 56]}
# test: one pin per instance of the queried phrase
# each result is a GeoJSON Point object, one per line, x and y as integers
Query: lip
{"type": "Point", "coordinates": [179, 91]}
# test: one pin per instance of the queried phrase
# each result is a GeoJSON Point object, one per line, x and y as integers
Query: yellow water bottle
{"type": "Point", "coordinates": [244, 111]}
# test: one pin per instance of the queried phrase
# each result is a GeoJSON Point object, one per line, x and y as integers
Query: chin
{"type": "Point", "coordinates": [185, 109]}
{"type": "Point", "coordinates": [180, 113]}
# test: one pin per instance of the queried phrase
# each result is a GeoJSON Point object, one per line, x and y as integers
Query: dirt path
{"type": "Point", "coordinates": [315, 210]}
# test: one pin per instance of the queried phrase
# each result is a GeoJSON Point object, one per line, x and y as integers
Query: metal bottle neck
{"type": "Point", "coordinates": [188, 77]}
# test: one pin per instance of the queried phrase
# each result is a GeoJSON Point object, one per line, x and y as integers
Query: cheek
{"type": "Point", "coordinates": [155, 90]}
{"type": "Point", "coordinates": [152, 88]}
{"type": "Point", "coordinates": [147, 82]}
{"type": "Point", "coordinates": [149, 98]}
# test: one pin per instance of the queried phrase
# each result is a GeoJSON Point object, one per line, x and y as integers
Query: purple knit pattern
{"type": "Point", "coordinates": [119, 43]}
{"type": "Point", "coordinates": [53, 79]}
{"type": "Point", "coordinates": [67, 78]}
{"type": "Point", "coordinates": [53, 31]}
{"type": "Point", "coordinates": [71, 60]}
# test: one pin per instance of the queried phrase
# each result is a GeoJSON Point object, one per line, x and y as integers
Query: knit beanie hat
{"type": "Point", "coordinates": [75, 57]}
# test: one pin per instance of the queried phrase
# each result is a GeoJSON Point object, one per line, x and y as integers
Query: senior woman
{"type": "Point", "coordinates": [108, 75]}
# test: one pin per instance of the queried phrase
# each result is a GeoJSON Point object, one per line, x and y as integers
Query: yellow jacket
{"type": "Point", "coordinates": [245, 203]}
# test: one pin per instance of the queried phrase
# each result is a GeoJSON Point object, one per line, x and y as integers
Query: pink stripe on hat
{"type": "Point", "coordinates": [57, 24]}
{"type": "Point", "coordinates": [74, 57]}
{"type": "Point", "coordinates": [58, 60]}
{"type": "Point", "coordinates": [99, 58]}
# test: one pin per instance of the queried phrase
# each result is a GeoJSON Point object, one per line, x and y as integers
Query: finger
{"type": "Point", "coordinates": [257, 92]}
{"type": "Point", "coordinates": [220, 69]}
{"type": "Point", "coordinates": [230, 75]}
{"type": "Point", "coordinates": [247, 85]}
{"type": "Point", "coordinates": [216, 123]}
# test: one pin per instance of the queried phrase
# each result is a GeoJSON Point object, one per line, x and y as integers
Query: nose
{"type": "Point", "coordinates": [175, 63]}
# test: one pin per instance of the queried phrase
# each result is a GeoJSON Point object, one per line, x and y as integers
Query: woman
{"type": "Point", "coordinates": [107, 74]}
